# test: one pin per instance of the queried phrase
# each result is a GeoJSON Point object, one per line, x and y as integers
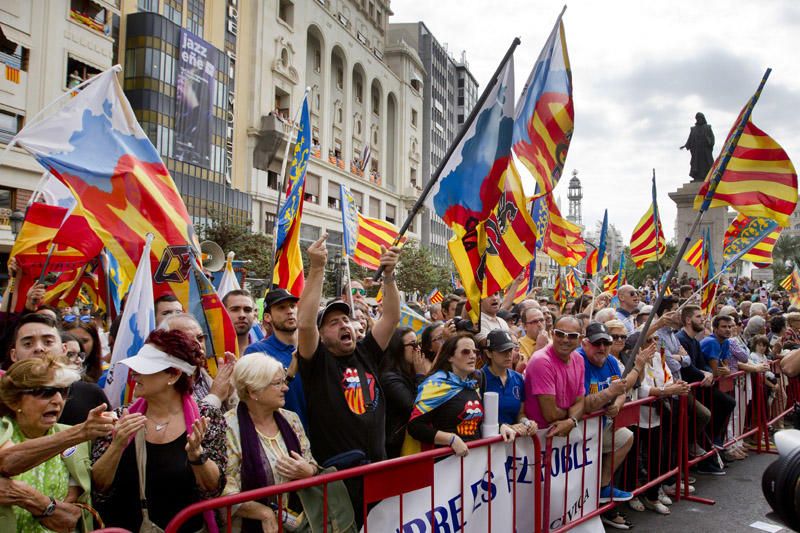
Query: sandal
{"type": "Point", "coordinates": [637, 505]}
{"type": "Point", "coordinates": [615, 519]}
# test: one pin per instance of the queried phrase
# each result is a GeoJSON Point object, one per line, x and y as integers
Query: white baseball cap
{"type": "Point", "coordinates": [151, 360]}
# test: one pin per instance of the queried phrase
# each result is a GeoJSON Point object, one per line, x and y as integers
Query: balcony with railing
{"type": "Point", "coordinates": [90, 15]}
{"type": "Point", "coordinates": [13, 75]}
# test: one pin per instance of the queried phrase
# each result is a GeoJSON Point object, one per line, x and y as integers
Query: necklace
{"type": "Point", "coordinates": [161, 427]}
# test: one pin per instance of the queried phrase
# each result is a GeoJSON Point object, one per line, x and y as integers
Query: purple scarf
{"type": "Point", "coordinates": [190, 413]}
{"type": "Point", "coordinates": [256, 470]}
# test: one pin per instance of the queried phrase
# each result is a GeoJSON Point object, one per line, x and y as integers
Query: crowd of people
{"type": "Point", "coordinates": [336, 384]}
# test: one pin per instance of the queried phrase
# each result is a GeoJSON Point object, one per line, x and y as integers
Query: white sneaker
{"type": "Point", "coordinates": [663, 498]}
{"type": "Point", "coordinates": [637, 505]}
{"type": "Point", "coordinates": [656, 506]}
{"type": "Point", "coordinates": [669, 490]}
{"type": "Point", "coordinates": [696, 450]}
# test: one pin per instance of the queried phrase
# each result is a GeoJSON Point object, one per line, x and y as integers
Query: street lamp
{"type": "Point", "coordinates": [16, 219]}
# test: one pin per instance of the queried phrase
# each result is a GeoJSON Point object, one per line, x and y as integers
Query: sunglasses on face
{"type": "Point", "coordinates": [570, 335]}
{"type": "Point", "coordinates": [619, 337]}
{"type": "Point", "coordinates": [76, 355]}
{"type": "Point", "coordinates": [354, 291]}
{"type": "Point", "coordinates": [47, 392]}
{"type": "Point", "coordinates": [68, 319]}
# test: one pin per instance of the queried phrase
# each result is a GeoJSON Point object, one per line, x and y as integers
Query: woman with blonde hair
{"type": "Point", "coordinates": [266, 445]}
{"type": "Point", "coordinates": [56, 494]}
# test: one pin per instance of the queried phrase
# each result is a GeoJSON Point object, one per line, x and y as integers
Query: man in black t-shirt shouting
{"type": "Point", "coordinates": [346, 406]}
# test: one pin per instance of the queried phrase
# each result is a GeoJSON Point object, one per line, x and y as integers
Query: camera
{"type": "Point", "coordinates": [779, 483]}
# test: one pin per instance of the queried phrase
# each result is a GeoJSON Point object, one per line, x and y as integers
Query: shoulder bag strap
{"type": "Point", "coordinates": [141, 465]}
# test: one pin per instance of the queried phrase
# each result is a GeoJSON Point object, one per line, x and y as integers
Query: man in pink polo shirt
{"type": "Point", "coordinates": [554, 380]}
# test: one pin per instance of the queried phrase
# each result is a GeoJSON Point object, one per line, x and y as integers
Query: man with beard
{"type": "Point", "coordinates": [692, 320]}
{"type": "Point", "coordinates": [346, 405]}
{"type": "Point", "coordinates": [242, 311]}
{"type": "Point", "coordinates": [281, 307]}
{"type": "Point", "coordinates": [716, 350]}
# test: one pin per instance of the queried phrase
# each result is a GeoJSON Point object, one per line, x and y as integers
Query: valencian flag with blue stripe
{"type": "Point", "coordinates": [94, 145]}
{"type": "Point", "coordinates": [288, 271]}
{"type": "Point", "coordinates": [745, 239]}
{"type": "Point", "coordinates": [471, 182]}
{"type": "Point", "coordinates": [707, 274]}
{"type": "Point", "coordinates": [544, 117]}
{"type": "Point", "coordinates": [752, 173]}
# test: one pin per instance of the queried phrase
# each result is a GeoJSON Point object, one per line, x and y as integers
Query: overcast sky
{"type": "Point", "coordinates": [640, 70]}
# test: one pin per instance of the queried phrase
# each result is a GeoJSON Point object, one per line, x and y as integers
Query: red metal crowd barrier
{"type": "Point", "coordinates": [381, 480]}
{"type": "Point", "coordinates": [659, 453]}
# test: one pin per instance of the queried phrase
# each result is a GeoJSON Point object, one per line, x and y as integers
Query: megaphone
{"type": "Point", "coordinates": [213, 256]}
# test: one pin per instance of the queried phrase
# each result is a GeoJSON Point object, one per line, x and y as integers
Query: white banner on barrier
{"type": "Point", "coordinates": [480, 487]}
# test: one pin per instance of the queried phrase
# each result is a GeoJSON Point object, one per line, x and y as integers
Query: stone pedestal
{"type": "Point", "coordinates": [715, 219]}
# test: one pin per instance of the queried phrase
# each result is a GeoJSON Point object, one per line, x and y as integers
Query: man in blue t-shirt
{"type": "Point", "coordinates": [605, 390]}
{"type": "Point", "coordinates": [716, 348]}
{"type": "Point", "coordinates": [280, 308]}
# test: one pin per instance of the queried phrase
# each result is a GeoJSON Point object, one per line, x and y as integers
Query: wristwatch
{"type": "Point", "coordinates": [574, 420]}
{"type": "Point", "coordinates": [199, 462]}
{"type": "Point", "coordinates": [525, 422]}
{"type": "Point", "coordinates": [49, 510]}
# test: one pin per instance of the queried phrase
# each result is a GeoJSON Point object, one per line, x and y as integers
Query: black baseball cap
{"type": "Point", "coordinates": [499, 340]}
{"type": "Point", "coordinates": [275, 296]}
{"type": "Point", "coordinates": [596, 331]}
{"type": "Point", "coordinates": [333, 305]}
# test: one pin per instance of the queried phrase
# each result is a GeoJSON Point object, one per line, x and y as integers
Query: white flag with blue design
{"type": "Point", "coordinates": [138, 320]}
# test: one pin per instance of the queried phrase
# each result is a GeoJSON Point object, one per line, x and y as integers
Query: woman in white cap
{"type": "Point", "coordinates": [180, 445]}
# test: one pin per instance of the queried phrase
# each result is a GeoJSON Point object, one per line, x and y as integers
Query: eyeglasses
{"type": "Point", "coordinates": [280, 382]}
{"type": "Point", "coordinates": [535, 321]}
{"type": "Point", "coordinates": [570, 335]}
{"type": "Point", "coordinates": [354, 291]}
{"type": "Point", "coordinates": [72, 318]}
{"type": "Point", "coordinates": [414, 344]}
{"type": "Point", "coordinates": [76, 355]}
{"type": "Point", "coordinates": [619, 337]}
{"type": "Point", "coordinates": [601, 342]}
{"type": "Point", "coordinates": [47, 392]}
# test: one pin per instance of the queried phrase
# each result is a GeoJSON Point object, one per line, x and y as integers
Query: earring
{"type": "Point", "coordinates": [169, 383]}
{"type": "Point", "coordinates": [19, 410]}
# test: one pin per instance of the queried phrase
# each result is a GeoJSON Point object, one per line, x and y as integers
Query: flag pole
{"type": "Point", "coordinates": [655, 225]}
{"type": "Point", "coordinates": [459, 136]}
{"type": "Point", "coordinates": [712, 186]}
{"type": "Point", "coordinates": [282, 186]}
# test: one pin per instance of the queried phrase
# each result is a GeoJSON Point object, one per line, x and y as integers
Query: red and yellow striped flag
{"type": "Point", "coordinates": [644, 239]}
{"type": "Point", "coordinates": [372, 234]}
{"type": "Point", "coordinates": [786, 283]}
{"type": "Point", "coordinates": [694, 256]}
{"type": "Point", "coordinates": [571, 284]}
{"type": "Point", "coordinates": [562, 240]}
{"type": "Point", "coordinates": [758, 181]}
{"type": "Point", "coordinates": [591, 263]}
{"type": "Point", "coordinates": [794, 287]}
{"type": "Point", "coordinates": [522, 288]}
{"type": "Point", "coordinates": [435, 297]}
{"type": "Point", "coordinates": [559, 295]}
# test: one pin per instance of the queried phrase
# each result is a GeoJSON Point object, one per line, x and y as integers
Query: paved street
{"type": "Point", "coordinates": [740, 503]}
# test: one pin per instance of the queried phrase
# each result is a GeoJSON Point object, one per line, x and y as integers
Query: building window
{"type": "Point", "coordinates": [148, 5]}
{"type": "Point", "coordinates": [269, 222]}
{"type": "Point", "coordinates": [309, 233]}
{"type": "Point", "coordinates": [311, 191]}
{"type": "Point", "coordinates": [414, 117]}
{"type": "Point", "coordinates": [374, 207]}
{"type": "Point", "coordinates": [359, 91]}
{"type": "Point", "coordinates": [286, 11]}
{"type": "Point", "coordinates": [10, 124]}
{"type": "Point", "coordinates": [6, 197]}
{"type": "Point", "coordinates": [333, 195]}
{"type": "Point", "coordinates": [78, 72]}
{"type": "Point", "coordinates": [196, 16]}
{"type": "Point", "coordinates": [317, 61]}
{"type": "Point", "coordinates": [173, 11]}
{"type": "Point", "coordinates": [339, 77]}
{"type": "Point", "coordinates": [391, 214]}
{"type": "Point", "coordinates": [88, 14]}
{"type": "Point", "coordinates": [272, 180]}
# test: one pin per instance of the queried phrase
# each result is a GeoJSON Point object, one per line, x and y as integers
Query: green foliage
{"type": "Point", "coordinates": [787, 248]}
{"type": "Point", "coordinates": [248, 246]}
{"type": "Point", "coordinates": [653, 269]}
{"type": "Point", "coordinates": [418, 272]}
